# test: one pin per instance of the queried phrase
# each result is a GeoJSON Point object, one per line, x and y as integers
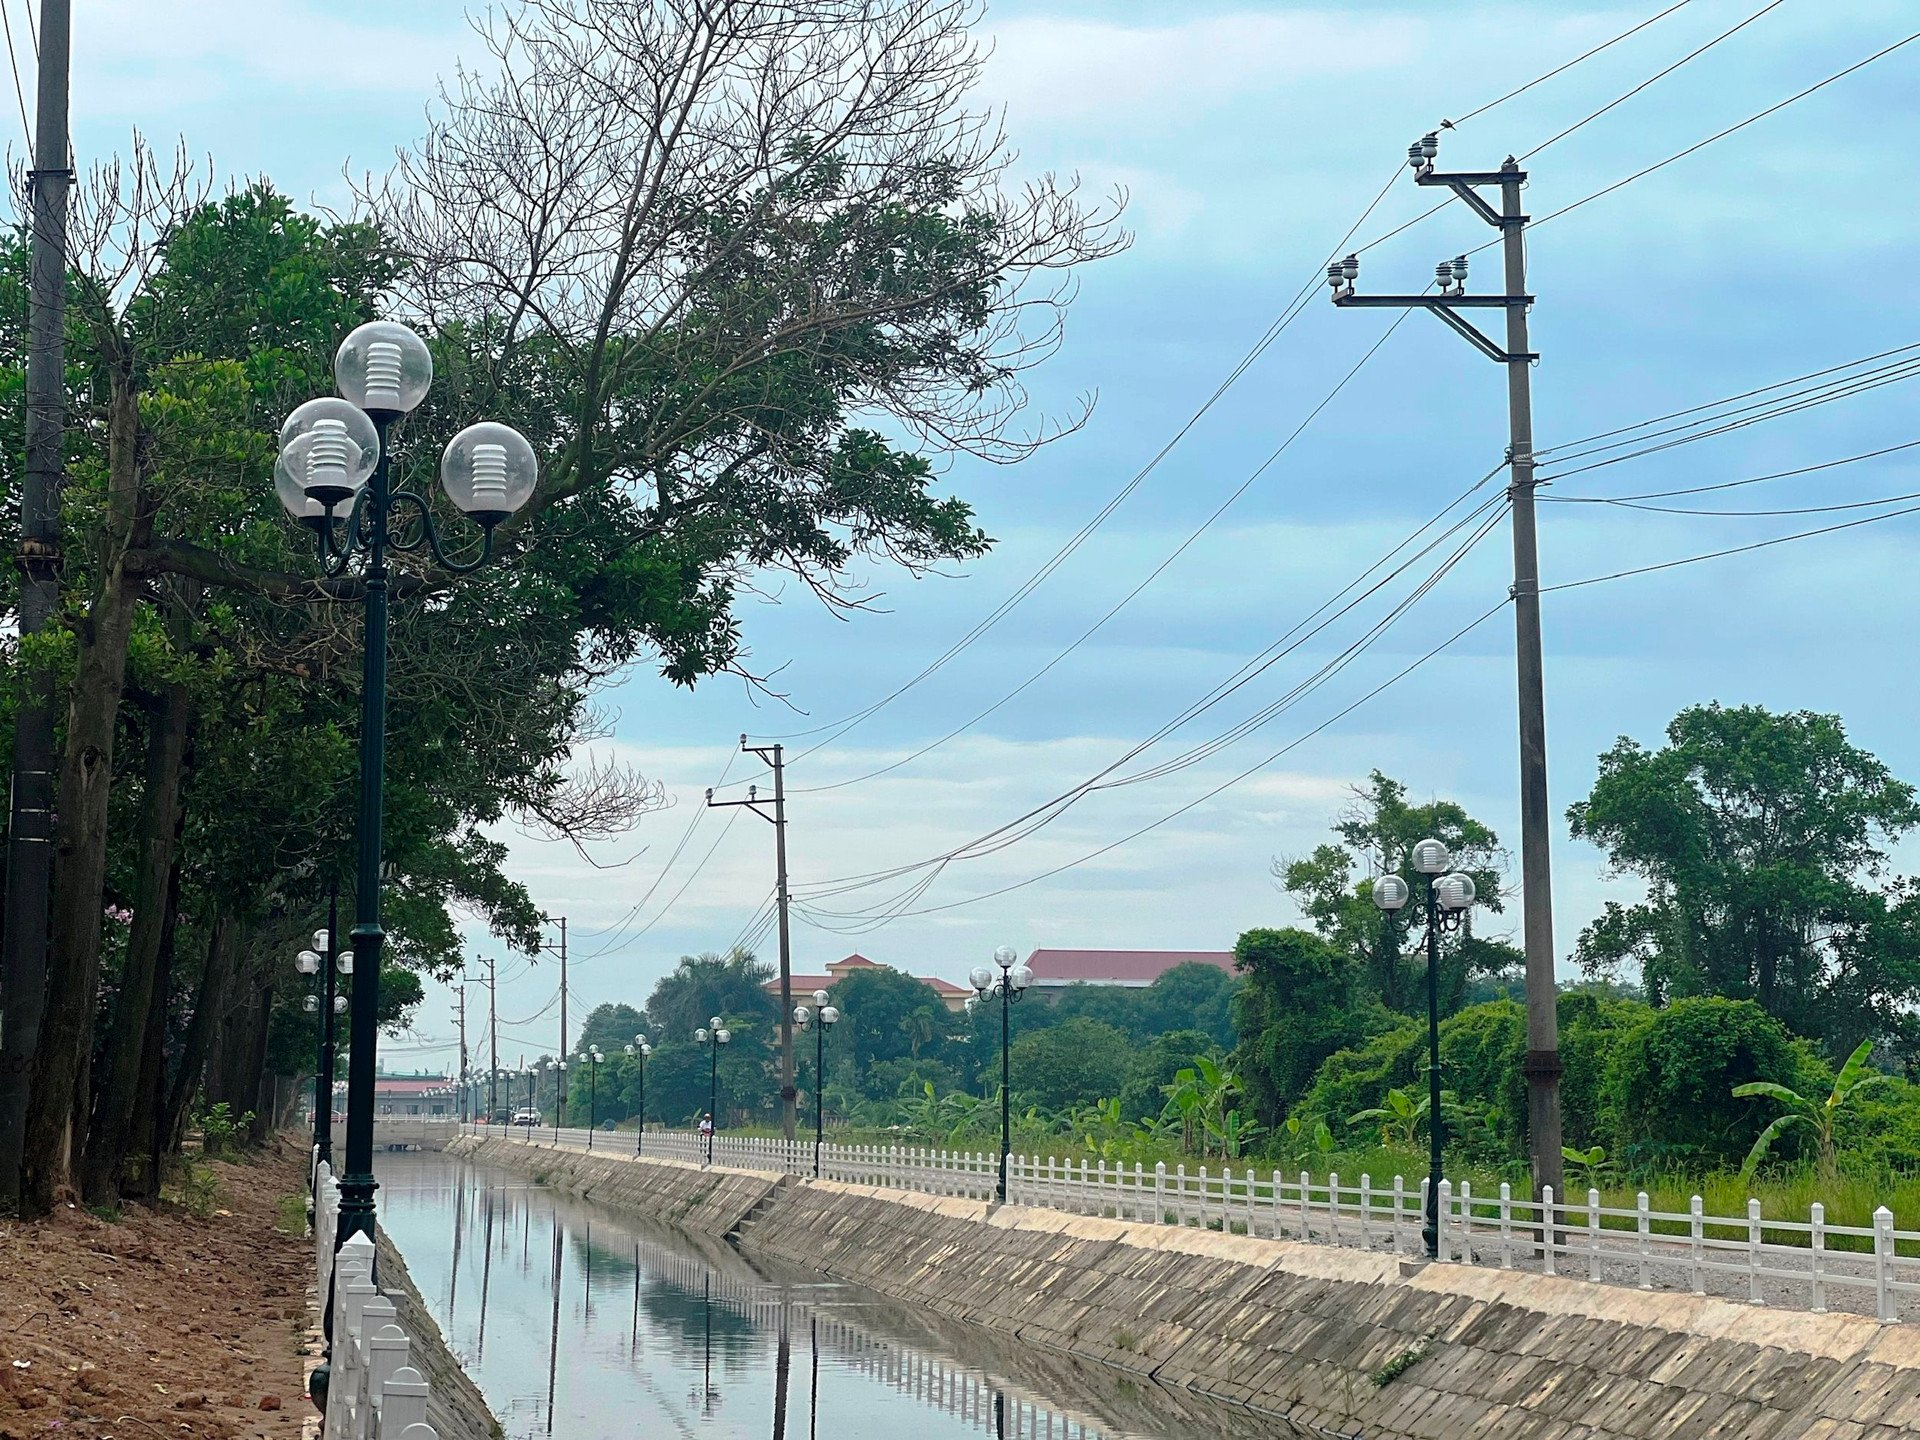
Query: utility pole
{"type": "Point", "coordinates": [1541, 1065]}
{"type": "Point", "coordinates": [493, 1041]}
{"type": "Point", "coordinates": [462, 1109]}
{"type": "Point", "coordinates": [775, 758]}
{"type": "Point", "coordinates": [561, 951]}
{"type": "Point", "coordinates": [23, 950]}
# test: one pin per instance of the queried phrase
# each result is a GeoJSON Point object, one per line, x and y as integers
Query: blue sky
{"type": "Point", "coordinates": [1249, 138]}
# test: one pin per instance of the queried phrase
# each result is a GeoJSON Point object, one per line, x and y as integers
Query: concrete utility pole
{"type": "Point", "coordinates": [561, 951]}
{"type": "Point", "coordinates": [1542, 1065]}
{"type": "Point", "coordinates": [24, 946]}
{"type": "Point", "coordinates": [462, 1108]}
{"type": "Point", "coordinates": [775, 758]}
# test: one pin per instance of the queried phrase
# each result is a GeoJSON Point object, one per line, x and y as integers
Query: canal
{"type": "Point", "coordinates": [581, 1323]}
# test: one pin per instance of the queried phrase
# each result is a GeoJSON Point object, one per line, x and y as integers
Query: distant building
{"type": "Point", "coordinates": [1055, 971]}
{"type": "Point", "coordinates": [954, 997]}
{"type": "Point", "coordinates": [423, 1095]}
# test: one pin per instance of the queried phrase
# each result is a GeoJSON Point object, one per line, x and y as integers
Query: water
{"type": "Point", "coordinates": [585, 1324]}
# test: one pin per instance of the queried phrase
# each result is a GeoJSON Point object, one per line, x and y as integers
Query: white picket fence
{"type": "Point", "coordinates": [372, 1392]}
{"type": "Point", "coordinates": [1805, 1264]}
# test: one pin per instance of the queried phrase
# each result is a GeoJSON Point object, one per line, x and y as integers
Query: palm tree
{"type": "Point", "coordinates": [1809, 1114]}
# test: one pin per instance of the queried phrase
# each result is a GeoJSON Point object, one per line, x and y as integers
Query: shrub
{"type": "Point", "coordinates": [1669, 1085]}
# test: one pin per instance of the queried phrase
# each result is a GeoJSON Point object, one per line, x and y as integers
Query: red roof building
{"type": "Point", "coordinates": [954, 997]}
{"type": "Point", "coordinates": [1056, 970]}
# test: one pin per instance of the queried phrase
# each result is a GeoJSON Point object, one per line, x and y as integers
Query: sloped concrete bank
{"type": "Point", "coordinates": [1303, 1331]}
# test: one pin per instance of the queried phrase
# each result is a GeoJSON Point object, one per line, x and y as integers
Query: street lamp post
{"type": "Point", "coordinates": [1449, 896]}
{"type": "Point", "coordinates": [640, 1050]}
{"type": "Point", "coordinates": [1010, 984]}
{"type": "Point", "coordinates": [559, 1069]}
{"type": "Point", "coordinates": [713, 1035]}
{"type": "Point", "coordinates": [336, 452]}
{"type": "Point", "coordinates": [591, 1058]}
{"type": "Point", "coordinates": [308, 963]}
{"type": "Point", "coordinates": [826, 1016]}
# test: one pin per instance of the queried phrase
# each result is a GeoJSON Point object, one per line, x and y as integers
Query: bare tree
{"type": "Point", "coordinates": [697, 216]}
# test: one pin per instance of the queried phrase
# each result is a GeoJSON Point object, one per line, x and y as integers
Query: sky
{"type": "Point", "coordinates": [1248, 137]}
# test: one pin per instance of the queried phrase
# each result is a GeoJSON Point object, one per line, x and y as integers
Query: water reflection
{"type": "Point", "coordinates": [701, 1342]}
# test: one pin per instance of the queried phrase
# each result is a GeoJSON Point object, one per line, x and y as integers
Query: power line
{"type": "Point", "coordinates": [1251, 770]}
{"type": "Point", "coordinates": [1732, 550]}
{"type": "Point", "coordinates": [1273, 332]}
{"type": "Point", "coordinates": [1729, 484]}
{"type": "Point", "coordinates": [1723, 134]}
{"type": "Point", "coordinates": [1001, 840]}
{"type": "Point", "coordinates": [13, 63]}
{"type": "Point", "coordinates": [1653, 79]}
{"type": "Point", "coordinates": [1562, 69]}
{"type": "Point", "coordinates": [1153, 575]}
{"type": "Point", "coordinates": [1724, 400]}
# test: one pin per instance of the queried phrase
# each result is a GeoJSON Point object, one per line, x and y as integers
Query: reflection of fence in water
{"type": "Point", "coordinates": [993, 1406]}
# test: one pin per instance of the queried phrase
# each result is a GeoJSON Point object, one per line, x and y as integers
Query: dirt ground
{"type": "Point", "coordinates": [160, 1323]}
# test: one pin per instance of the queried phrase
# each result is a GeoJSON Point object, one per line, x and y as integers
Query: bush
{"type": "Point", "coordinates": [1591, 1026]}
{"type": "Point", "coordinates": [1669, 1086]}
{"type": "Point", "coordinates": [1358, 1078]}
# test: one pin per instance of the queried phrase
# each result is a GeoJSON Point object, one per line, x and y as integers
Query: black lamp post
{"type": "Point", "coordinates": [1449, 896]}
{"type": "Point", "coordinates": [591, 1058]}
{"type": "Point", "coordinates": [334, 453]}
{"type": "Point", "coordinates": [1010, 985]}
{"type": "Point", "coordinates": [713, 1035]}
{"type": "Point", "coordinates": [826, 1016]}
{"type": "Point", "coordinates": [640, 1050]}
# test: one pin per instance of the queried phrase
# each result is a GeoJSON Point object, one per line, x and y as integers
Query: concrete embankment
{"type": "Point", "coordinates": [455, 1406]}
{"type": "Point", "coordinates": [1306, 1331]}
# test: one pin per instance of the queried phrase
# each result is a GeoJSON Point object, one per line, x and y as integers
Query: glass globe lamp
{"type": "Point", "coordinates": [489, 471]}
{"type": "Point", "coordinates": [1455, 891]}
{"type": "Point", "coordinates": [329, 448]}
{"type": "Point", "coordinates": [830, 1015]}
{"type": "Point", "coordinates": [307, 963]}
{"type": "Point", "coordinates": [1390, 892]}
{"type": "Point", "coordinates": [1430, 857]}
{"type": "Point", "coordinates": [383, 367]}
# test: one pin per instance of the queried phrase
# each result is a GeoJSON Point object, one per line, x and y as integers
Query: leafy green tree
{"type": "Point", "coordinates": [731, 986]}
{"type": "Point", "coordinates": [1154, 1068]}
{"type": "Point", "coordinates": [1376, 835]}
{"type": "Point", "coordinates": [611, 1026]}
{"type": "Point", "coordinates": [1294, 1008]}
{"type": "Point", "coordinates": [1760, 839]}
{"type": "Point", "coordinates": [1816, 1117]}
{"type": "Point", "coordinates": [1073, 1063]}
{"type": "Point", "coordinates": [1194, 996]}
{"type": "Point", "coordinates": [886, 1016]}
{"type": "Point", "coordinates": [1672, 1079]}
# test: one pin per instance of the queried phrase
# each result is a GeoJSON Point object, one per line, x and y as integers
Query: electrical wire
{"type": "Point", "coordinates": [897, 905]}
{"type": "Point", "coordinates": [1297, 636]}
{"type": "Point", "coordinates": [1728, 484]}
{"type": "Point", "coordinates": [19, 92]}
{"type": "Point", "coordinates": [1653, 79]}
{"type": "Point", "coordinates": [1225, 785]}
{"type": "Point", "coordinates": [1288, 314]}
{"type": "Point", "coordinates": [1152, 575]}
{"type": "Point", "coordinates": [1731, 550]}
{"type": "Point", "coordinates": [1544, 451]}
{"type": "Point", "coordinates": [1562, 69]}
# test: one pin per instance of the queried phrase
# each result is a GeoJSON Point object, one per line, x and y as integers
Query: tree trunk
{"type": "Point", "coordinates": [80, 825]}
{"type": "Point", "coordinates": [222, 950]}
{"type": "Point", "coordinates": [146, 1137]}
{"type": "Point", "coordinates": [252, 1090]}
{"type": "Point", "coordinates": [122, 1061]}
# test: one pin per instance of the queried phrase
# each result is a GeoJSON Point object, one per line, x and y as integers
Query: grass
{"type": "Point", "coordinates": [290, 1215]}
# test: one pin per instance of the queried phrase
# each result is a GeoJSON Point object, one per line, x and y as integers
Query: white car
{"type": "Point", "coordinates": [526, 1117]}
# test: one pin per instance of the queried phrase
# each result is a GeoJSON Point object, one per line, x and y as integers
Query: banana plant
{"type": "Point", "coordinates": [1304, 1139]}
{"type": "Point", "coordinates": [1812, 1116]}
{"type": "Point", "coordinates": [1234, 1133]}
{"type": "Point", "coordinates": [1400, 1117]}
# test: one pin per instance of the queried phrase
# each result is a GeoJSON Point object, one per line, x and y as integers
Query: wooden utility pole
{"type": "Point", "coordinates": [25, 941]}
{"type": "Point", "coordinates": [1447, 300]}
{"type": "Point", "coordinates": [775, 758]}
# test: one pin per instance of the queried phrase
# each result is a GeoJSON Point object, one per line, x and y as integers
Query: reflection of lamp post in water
{"type": "Point", "coordinates": [706, 1394]}
{"type": "Point", "coordinates": [553, 1340]}
{"type": "Point", "coordinates": [782, 1362]}
{"type": "Point", "coordinates": [813, 1396]}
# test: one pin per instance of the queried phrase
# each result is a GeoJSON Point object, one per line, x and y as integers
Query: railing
{"type": "Point", "coordinates": [372, 1392]}
{"type": "Point", "coordinates": [1810, 1264]}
